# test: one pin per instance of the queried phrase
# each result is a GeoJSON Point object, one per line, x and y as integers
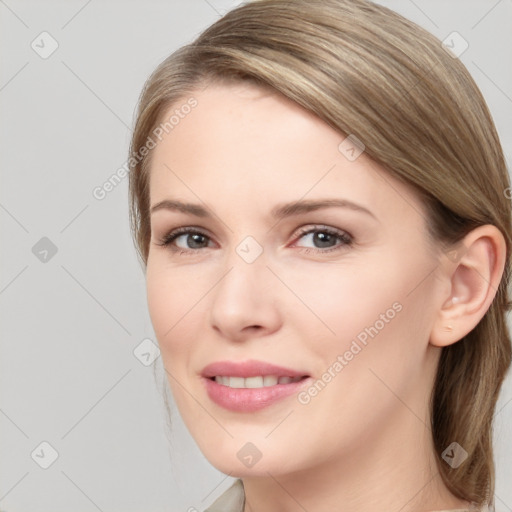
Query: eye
{"type": "Point", "coordinates": [325, 239]}
{"type": "Point", "coordinates": [191, 240]}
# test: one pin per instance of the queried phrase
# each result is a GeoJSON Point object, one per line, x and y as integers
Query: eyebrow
{"type": "Point", "coordinates": [278, 212]}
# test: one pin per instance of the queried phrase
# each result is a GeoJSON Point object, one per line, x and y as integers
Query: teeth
{"type": "Point", "coordinates": [236, 382]}
{"type": "Point", "coordinates": [270, 380]}
{"type": "Point", "coordinates": [254, 382]}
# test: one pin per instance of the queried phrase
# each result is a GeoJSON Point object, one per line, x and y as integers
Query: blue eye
{"type": "Point", "coordinates": [326, 240]}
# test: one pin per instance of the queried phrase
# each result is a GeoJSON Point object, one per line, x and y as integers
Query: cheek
{"type": "Point", "coordinates": [375, 316]}
{"type": "Point", "coordinates": [171, 299]}
{"type": "Point", "coordinates": [337, 301]}
{"type": "Point", "coordinates": [381, 342]}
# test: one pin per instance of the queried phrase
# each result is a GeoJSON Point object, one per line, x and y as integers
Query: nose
{"type": "Point", "coordinates": [245, 301]}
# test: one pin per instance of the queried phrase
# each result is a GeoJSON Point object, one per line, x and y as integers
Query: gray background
{"type": "Point", "coordinates": [71, 322]}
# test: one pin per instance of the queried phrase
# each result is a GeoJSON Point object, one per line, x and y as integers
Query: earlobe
{"type": "Point", "coordinates": [473, 278]}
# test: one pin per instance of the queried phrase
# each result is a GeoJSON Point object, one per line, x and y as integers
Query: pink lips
{"type": "Point", "coordinates": [249, 399]}
{"type": "Point", "coordinates": [248, 369]}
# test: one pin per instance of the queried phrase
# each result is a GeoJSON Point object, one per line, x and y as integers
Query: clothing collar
{"type": "Point", "coordinates": [233, 500]}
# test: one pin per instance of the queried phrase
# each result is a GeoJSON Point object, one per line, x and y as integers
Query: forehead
{"type": "Point", "coordinates": [251, 145]}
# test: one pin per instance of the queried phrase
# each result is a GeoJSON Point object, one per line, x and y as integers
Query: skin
{"type": "Point", "coordinates": [364, 440]}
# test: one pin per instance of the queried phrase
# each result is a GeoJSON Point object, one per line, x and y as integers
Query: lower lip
{"type": "Point", "coordinates": [250, 399]}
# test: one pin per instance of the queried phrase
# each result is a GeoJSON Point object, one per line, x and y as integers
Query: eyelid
{"type": "Point", "coordinates": [322, 227]}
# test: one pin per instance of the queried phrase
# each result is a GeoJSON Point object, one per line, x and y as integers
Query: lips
{"type": "Point", "coordinates": [250, 368]}
{"type": "Point", "coordinates": [237, 386]}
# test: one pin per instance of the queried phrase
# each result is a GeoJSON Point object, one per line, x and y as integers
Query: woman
{"type": "Point", "coordinates": [319, 197]}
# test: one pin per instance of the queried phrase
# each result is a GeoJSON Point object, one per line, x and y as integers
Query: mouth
{"type": "Point", "coordinates": [259, 381]}
{"type": "Point", "coordinates": [251, 385]}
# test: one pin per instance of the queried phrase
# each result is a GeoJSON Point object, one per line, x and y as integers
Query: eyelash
{"type": "Point", "coordinates": [347, 239]}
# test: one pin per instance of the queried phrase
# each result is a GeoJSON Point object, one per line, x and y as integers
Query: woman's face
{"type": "Point", "coordinates": [343, 295]}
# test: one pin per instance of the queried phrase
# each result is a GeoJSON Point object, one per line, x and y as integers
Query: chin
{"type": "Point", "coordinates": [239, 470]}
{"type": "Point", "coordinates": [246, 459]}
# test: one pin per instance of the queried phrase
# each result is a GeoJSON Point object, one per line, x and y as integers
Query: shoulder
{"type": "Point", "coordinates": [232, 500]}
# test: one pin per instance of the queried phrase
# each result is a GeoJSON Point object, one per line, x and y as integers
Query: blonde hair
{"type": "Point", "coordinates": [367, 71]}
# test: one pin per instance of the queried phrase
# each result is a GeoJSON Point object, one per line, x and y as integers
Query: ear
{"type": "Point", "coordinates": [472, 272]}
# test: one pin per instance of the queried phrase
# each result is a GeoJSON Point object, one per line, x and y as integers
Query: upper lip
{"type": "Point", "coordinates": [249, 368]}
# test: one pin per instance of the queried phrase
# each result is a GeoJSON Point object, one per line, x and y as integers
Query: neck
{"type": "Point", "coordinates": [394, 470]}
